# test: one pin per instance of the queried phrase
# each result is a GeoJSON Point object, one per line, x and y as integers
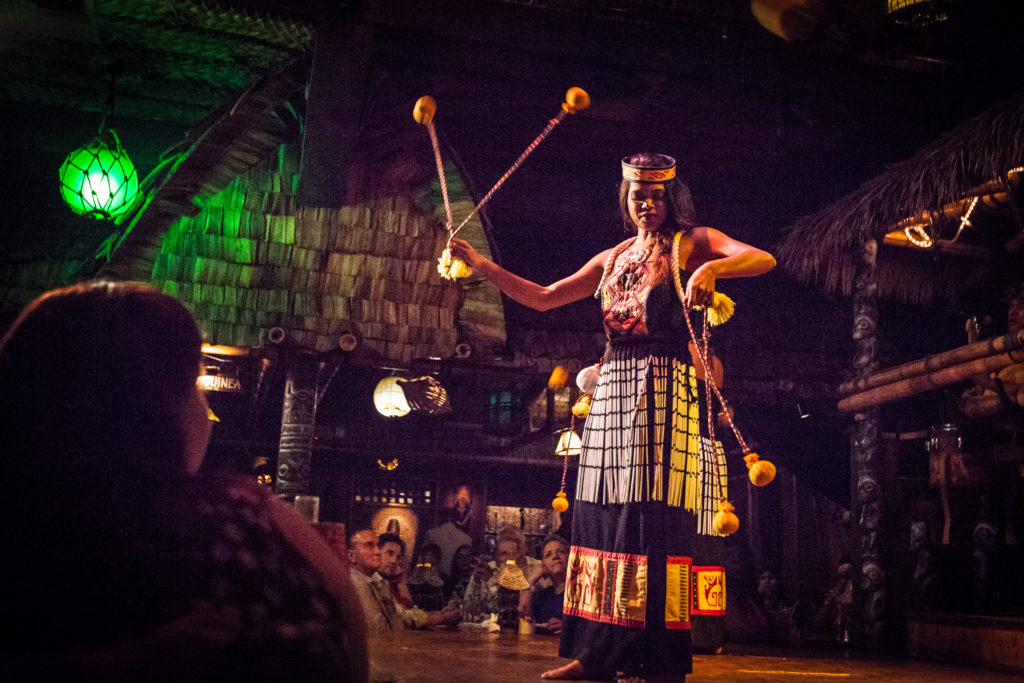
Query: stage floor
{"type": "Point", "coordinates": [454, 657]}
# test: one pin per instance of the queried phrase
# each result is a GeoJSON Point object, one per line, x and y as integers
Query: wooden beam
{"type": "Point", "coordinates": [334, 115]}
{"type": "Point", "coordinates": [962, 354]}
{"type": "Point", "coordinates": [932, 380]}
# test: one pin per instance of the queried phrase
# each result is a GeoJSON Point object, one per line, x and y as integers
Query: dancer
{"type": "Point", "coordinates": [645, 471]}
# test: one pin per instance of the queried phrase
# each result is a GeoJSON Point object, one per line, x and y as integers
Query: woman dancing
{"type": "Point", "coordinates": [644, 483]}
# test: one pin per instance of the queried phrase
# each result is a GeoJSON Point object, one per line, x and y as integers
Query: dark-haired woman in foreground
{"type": "Point", "coordinates": [128, 565]}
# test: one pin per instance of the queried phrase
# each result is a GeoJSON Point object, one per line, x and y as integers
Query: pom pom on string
{"type": "Point", "coordinates": [721, 309]}
{"type": "Point", "coordinates": [424, 109]}
{"type": "Point", "coordinates": [582, 406]}
{"type": "Point", "coordinates": [761, 472]}
{"type": "Point", "coordinates": [452, 268]}
{"type": "Point", "coordinates": [576, 99]}
{"type": "Point", "coordinates": [560, 503]}
{"type": "Point", "coordinates": [587, 378]}
{"type": "Point", "coordinates": [558, 377]}
{"type": "Point", "coordinates": [725, 522]}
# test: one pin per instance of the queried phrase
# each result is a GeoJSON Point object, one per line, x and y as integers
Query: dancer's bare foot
{"type": "Point", "coordinates": [573, 671]}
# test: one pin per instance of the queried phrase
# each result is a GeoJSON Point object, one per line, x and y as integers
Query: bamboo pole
{"type": "Point", "coordinates": [929, 364]}
{"type": "Point", "coordinates": [930, 380]}
{"type": "Point", "coordinates": [954, 209]}
{"type": "Point", "coordinates": [898, 238]}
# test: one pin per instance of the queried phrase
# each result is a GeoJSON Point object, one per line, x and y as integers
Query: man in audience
{"type": "Point", "coordinates": [364, 558]}
{"type": "Point", "coordinates": [393, 570]}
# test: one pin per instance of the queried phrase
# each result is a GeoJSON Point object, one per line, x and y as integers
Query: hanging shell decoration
{"type": "Point", "coordinates": [425, 395]}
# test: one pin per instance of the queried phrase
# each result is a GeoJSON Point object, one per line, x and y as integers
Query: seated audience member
{"type": "Point", "coordinates": [392, 568]}
{"type": "Point", "coordinates": [426, 583]}
{"type": "Point", "coordinates": [420, 616]}
{"type": "Point", "coordinates": [462, 570]}
{"type": "Point", "coordinates": [364, 558]}
{"type": "Point", "coordinates": [481, 597]}
{"type": "Point", "coordinates": [127, 560]}
{"type": "Point", "coordinates": [543, 603]}
{"type": "Point", "coordinates": [382, 612]}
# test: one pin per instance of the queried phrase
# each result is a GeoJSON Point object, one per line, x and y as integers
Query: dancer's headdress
{"type": "Point", "coordinates": [648, 174]}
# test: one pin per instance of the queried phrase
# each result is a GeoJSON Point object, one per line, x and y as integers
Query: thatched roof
{"type": "Point", "coordinates": [224, 230]}
{"type": "Point", "coordinates": [823, 248]}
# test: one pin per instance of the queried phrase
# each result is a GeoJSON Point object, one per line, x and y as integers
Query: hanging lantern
{"type": "Point", "coordinates": [98, 180]}
{"type": "Point", "coordinates": [389, 399]}
{"type": "Point", "coordinates": [569, 443]}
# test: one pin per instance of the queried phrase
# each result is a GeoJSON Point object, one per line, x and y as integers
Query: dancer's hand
{"type": "Point", "coordinates": [701, 287]}
{"type": "Point", "coordinates": [462, 250]}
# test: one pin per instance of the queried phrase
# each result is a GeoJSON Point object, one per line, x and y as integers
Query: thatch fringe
{"type": "Point", "coordinates": [823, 248]}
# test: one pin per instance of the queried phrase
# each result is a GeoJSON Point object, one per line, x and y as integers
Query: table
{"type": "Point", "coordinates": [429, 656]}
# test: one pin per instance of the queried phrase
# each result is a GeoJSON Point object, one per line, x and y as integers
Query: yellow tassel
{"type": "Point", "coordinates": [452, 268]}
{"type": "Point", "coordinates": [761, 472]}
{"type": "Point", "coordinates": [721, 309]}
{"type": "Point", "coordinates": [725, 521]}
{"type": "Point", "coordinates": [560, 503]}
{"type": "Point", "coordinates": [582, 407]}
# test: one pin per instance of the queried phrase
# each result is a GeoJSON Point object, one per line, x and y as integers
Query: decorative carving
{"type": "Point", "coordinates": [298, 417]}
{"type": "Point", "coordinates": [866, 460]}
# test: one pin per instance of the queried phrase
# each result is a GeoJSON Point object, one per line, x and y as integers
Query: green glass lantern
{"type": "Point", "coordinates": [98, 180]}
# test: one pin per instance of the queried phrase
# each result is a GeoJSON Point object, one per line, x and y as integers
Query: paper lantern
{"type": "Point", "coordinates": [389, 399]}
{"type": "Point", "coordinates": [98, 180]}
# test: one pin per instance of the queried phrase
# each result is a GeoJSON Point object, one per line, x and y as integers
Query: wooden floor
{"type": "Point", "coordinates": [451, 656]}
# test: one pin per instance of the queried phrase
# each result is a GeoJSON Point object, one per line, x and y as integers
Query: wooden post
{"type": "Point", "coordinates": [334, 114]}
{"type": "Point", "coordinates": [298, 417]}
{"type": "Point", "coordinates": [867, 483]}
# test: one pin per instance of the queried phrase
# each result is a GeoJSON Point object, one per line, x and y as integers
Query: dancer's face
{"type": "Point", "coordinates": [647, 205]}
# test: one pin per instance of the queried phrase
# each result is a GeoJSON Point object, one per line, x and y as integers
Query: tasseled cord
{"type": "Point", "coordinates": [761, 472]}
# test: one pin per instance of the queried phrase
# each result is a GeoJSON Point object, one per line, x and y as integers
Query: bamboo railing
{"type": "Point", "coordinates": [979, 358]}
